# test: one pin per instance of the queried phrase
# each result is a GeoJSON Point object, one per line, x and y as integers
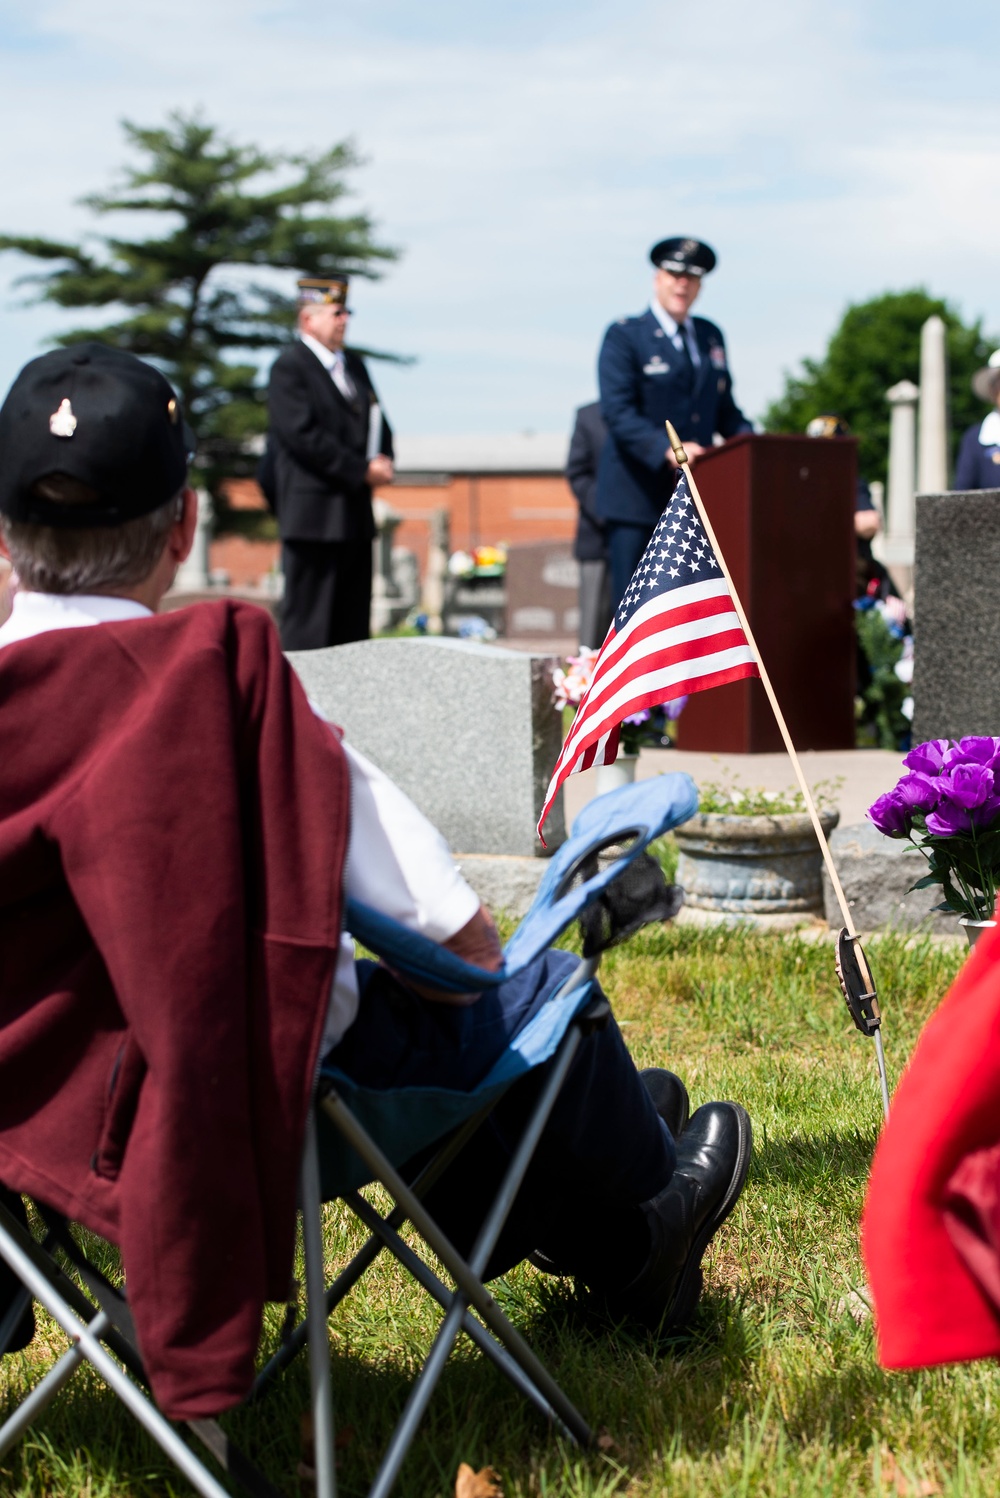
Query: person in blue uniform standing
{"type": "Point", "coordinates": [662, 364]}
{"type": "Point", "coordinates": [978, 465]}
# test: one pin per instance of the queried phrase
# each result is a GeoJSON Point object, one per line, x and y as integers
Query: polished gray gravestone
{"type": "Point", "coordinates": [956, 646]}
{"type": "Point", "coordinates": [468, 731]}
{"type": "Point", "coordinates": [876, 873]}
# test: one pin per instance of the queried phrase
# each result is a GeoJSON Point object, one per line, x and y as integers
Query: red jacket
{"type": "Point", "coordinates": [173, 826]}
{"type": "Point", "coordinates": [932, 1220]}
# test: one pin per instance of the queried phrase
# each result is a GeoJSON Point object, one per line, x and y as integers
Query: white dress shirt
{"type": "Point", "coordinates": [397, 862]}
{"type": "Point", "coordinates": [678, 333]}
{"type": "Point", "coordinates": [333, 363]}
{"type": "Point", "coordinates": [989, 432]}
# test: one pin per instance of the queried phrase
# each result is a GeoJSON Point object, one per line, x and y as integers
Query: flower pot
{"type": "Point", "coordinates": [763, 869]}
{"type": "Point", "coordinates": [974, 929]}
{"type": "Point", "coordinates": [622, 772]}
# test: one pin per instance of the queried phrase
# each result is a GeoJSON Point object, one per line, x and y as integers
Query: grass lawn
{"type": "Point", "coordinates": [777, 1392]}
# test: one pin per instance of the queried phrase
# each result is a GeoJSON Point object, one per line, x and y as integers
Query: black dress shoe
{"type": "Point", "coordinates": [670, 1097]}
{"type": "Point", "coordinates": [713, 1157]}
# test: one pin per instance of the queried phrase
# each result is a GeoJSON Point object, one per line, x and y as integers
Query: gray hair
{"type": "Point", "coordinates": [99, 559]}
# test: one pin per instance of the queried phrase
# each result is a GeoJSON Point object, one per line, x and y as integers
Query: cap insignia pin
{"type": "Point", "coordinates": [172, 410]}
{"type": "Point", "coordinates": [62, 423]}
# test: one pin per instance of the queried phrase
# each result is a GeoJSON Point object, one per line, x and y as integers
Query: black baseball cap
{"type": "Point", "coordinates": [683, 257]}
{"type": "Point", "coordinates": [98, 415]}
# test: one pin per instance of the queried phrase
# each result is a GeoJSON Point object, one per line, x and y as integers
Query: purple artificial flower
{"type": "Point", "coordinates": [927, 758]}
{"type": "Point", "coordinates": [975, 749]}
{"type": "Point", "coordinates": [890, 814]}
{"type": "Point", "coordinates": [986, 812]}
{"type": "Point", "coordinates": [966, 785]}
{"type": "Point", "coordinates": [637, 719]}
{"type": "Point", "coordinates": [948, 820]}
{"type": "Point", "coordinates": [918, 792]}
{"type": "Point", "coordinates": [673, 710]}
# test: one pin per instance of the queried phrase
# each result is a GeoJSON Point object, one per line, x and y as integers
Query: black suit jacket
{"type": "Point", "coordinates": [319, 441]}
{"type": "Point", "coordinates": [589, 436]}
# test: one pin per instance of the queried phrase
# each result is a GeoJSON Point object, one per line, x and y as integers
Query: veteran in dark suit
{"type": "Point", "coordinates": [328, 446]}
{"type": "Point", "coordinates": [662, 364]}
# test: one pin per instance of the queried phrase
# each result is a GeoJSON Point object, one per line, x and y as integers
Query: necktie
{"type": "Point", "coordinates": [341, 378]}
{"type": "Point", "coordinates": [687, 363]}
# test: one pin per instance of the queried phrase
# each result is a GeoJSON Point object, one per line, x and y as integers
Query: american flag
{"type": "Point", "coordinates": [675, 631]}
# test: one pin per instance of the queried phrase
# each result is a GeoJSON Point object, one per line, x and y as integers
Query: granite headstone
{"type": "Point", "coordinates": [468, 731]}
{"type": "Point", "coordinates": [956, 646]}
{"type": "Point", "coordinates": [876, 873]}
{"type": "Point", "coordinates": [543, 581]}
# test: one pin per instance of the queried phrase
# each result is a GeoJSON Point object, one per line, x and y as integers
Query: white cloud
{"type": "Point", "coordinates": [526, 177]}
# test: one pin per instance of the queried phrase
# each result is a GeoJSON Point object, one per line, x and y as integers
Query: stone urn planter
{"type": "Point", "coordinates": [762, 869]}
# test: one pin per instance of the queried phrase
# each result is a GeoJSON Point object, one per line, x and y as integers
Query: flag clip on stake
{"type": "Point", "coordinates": [853, 971]}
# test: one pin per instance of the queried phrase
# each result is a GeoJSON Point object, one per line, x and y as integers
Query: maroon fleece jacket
{"type": "Point", "coordinates": [173, 827]}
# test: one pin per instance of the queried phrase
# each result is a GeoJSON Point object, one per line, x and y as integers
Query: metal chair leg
{"type": "Point", "coordinates": [469, 1286]}
{"type": "Point", "coordinates": [319, 1347]}
{"type": "Point", "coordinates": [438, 1290]}
{"type": "Point", "coordinates": [466, 1281]}
{"type": "Point", "coordinates": [47, 1388]}
{"type": "Point", "coordinates": [363, 1259]}
{"type": "Point", "coordinates": [88, 1345]}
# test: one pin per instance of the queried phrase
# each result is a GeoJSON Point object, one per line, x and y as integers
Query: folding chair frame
{"type": "Point", "coordinates": [102, 1333]}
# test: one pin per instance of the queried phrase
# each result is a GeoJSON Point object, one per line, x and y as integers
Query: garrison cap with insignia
{"type": "Point", "coordinates": [683, 257]}
{"type": "Point", "coordinates": [331, 290]}
{"type": "Point", "coordinates": [102, 417]}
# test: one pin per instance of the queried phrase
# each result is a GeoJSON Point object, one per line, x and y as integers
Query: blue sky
{"type": "Point", "coordinates": [526, 155]}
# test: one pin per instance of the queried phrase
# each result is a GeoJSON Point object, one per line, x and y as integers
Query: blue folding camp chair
{"type": "Point", "coordinates": [363, 1135]}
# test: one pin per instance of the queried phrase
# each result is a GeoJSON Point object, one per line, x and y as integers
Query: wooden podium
{"type": "Point", "coordinates": [783, 513]}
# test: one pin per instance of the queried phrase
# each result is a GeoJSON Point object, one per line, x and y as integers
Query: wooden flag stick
{"type": "Point", "coordinates": [831, 868]}
{"type": "Point", "coordinates": [682, 461]}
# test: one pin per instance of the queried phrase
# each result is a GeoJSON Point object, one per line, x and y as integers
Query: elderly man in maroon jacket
{"type": "Point", "coordinates": [178, 832]}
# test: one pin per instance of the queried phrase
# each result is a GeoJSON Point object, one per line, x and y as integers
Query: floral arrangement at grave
{"type": "Point", "coordinates": [651, 726]}
{"type": "Point", "coordinates": [729, 799]}
{"type": "Point", "coordinates": [481, 561]}
{"type": "Point", "coordinates": [948, 807]}
{"type": "Point", "coordinates": [884, 704]}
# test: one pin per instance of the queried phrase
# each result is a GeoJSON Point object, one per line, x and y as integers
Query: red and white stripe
{"type": "Point", "coordinates": [681, 641]}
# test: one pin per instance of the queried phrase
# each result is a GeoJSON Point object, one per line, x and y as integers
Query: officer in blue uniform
{"type": "Point", "coordinates": [978, 465]}
{"type": "Point", "coordinates": [661, 364]}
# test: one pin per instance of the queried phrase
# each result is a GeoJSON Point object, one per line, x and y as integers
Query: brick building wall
{"type": "Point", "coordinates": [484, 509]}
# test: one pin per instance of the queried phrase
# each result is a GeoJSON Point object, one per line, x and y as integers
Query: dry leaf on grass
{"type": "Point", "coordinates": [482, 1484]}
{"type": "Point", "coordinates": [605, 1440]}
{"type": "Point", "coordinates": [342, 1438]}
{"type": "Point", "coordinates": [906, 1487]}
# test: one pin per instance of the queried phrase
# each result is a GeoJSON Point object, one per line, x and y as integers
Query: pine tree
{"type": "Point", "coordinates": [199, 298]}
{"type": "Point", "coordinates": [876, 345]}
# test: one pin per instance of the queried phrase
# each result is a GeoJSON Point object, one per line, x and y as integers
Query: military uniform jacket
{"type": "Point", "coordinates": [319, 440]}
{"type": "Point", "coordinates": [644, 381]}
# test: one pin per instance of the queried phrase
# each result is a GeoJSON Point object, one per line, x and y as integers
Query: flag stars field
{"type": "Point", "coordinates": [674, 632]}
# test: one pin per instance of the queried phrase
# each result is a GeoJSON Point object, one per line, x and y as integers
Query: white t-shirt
{"type": "Point", "coordinates": [397, 861]}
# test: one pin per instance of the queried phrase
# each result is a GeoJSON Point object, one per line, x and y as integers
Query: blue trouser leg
{"type": "Point", "coordinates": [626, 544]}
{"type": "Point", "coordinates": [604, 1151]}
